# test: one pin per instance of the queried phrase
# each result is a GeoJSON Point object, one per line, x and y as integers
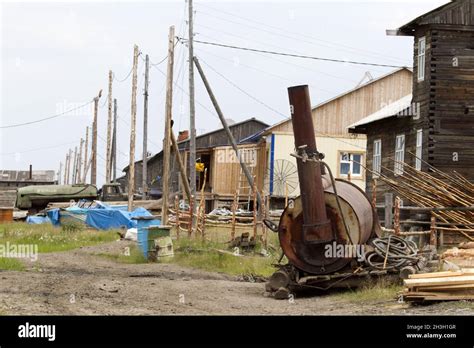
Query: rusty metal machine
{"type": "Point", "coordinates": [329, 213]}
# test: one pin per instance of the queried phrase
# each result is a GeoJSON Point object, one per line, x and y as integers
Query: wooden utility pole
{"type": "Point", "coordinates": [166, 142]}
{"type": "Point", "coordinates": [60, 172]}
{"type": "Point", "coordinates": [68, 166]}
{"type": "Point", "coordinates": [192, 115]}
{"type": "Point", "coordinates": [145, 132]}
{"type": "Point", "coordinates": [74, 167]}
{"type": "Point", "coordinates": [131, 171]}
{"type": "Point", "coordinates": [94, 141]}
{"type": "Point", "coordinates": [65, 170]}
{"type": "Point", "coordinates": [114, 144]}
{"type": "Point", "coordinates": [86, 160]}
{"type": "Point", "coordinates": [229, 134]}
{"type": "Point", "coordinates": [182, 170]}
{"type": "Point", "coordinates": [109, 132]}
{"type": "Point", "coordinates": [79, 163]}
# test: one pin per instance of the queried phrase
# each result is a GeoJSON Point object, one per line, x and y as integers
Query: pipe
{"type": "Point", "coordinates": [316, 225]}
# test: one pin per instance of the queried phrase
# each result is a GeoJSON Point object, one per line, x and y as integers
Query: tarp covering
{"type": "Point", "coordinates": [37, 220]}
{"type": "Point", "coordinates": [104, 219]}
{"type": "Point", "coordinates": [53, 215]}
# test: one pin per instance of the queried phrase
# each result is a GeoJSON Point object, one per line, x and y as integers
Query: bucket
{"type": "Point", "coordinates": [159, 242]}
{"type": "Point", "coordinates": [6, 215]}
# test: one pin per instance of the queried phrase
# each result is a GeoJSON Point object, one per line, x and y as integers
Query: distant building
{"type": "Point", "coordinates": [10, 180]}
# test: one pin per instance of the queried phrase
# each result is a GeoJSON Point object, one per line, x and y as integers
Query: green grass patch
{"type": "Point", "coordinates": [52, 239]}
{"type": "Point", "coordinates": [132, 255]}
{"type": "Point", "coordinates": [205, 255]}
{"type": "Point", "coordinates": [372, 291]}
{"type": "Point", "coordinates": [11, 264]}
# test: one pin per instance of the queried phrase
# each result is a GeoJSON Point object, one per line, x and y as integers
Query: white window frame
{"type": "Point", "coordinates": [399, 154]}
{"type": "Point", "coordinates": [421, 58]}
{"type": "Point", "coordinates": [419, 148]}
{"type": "Point", "coordinates": [377, 158]}
{"type": "Point", "coordinates": [351, 164]}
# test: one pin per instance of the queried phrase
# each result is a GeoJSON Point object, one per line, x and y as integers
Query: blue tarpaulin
{"type": "Point", "coordinates": [105, 219]}
{"type": "Point", "coordinates": [37, 220]}
{"type": "Point", "coordinates": [53, 215]}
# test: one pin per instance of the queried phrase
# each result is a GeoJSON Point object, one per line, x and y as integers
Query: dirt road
{"type": "Point", "coordinates": [81, 282]}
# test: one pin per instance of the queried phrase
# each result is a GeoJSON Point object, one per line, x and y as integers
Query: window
{"type": "Point", "coordinates": [377, 157]}
{"type": "Point", "coordinates": [421, 58]}
{"type": "Point", "coordinates": [419, 142]}
{"type": "Point", "coordinates": [399, 153]}
{"type": "Point", "coordinates": [350, 163]}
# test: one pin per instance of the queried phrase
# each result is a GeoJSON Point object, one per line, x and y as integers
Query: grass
{"type": "Point", "coordinates": [48, 239]}
{"type": "Point", "coordinates": [204, 255]}
{"type": "Point", "coordinates": [371, 291]}
{"type": "Point", "coordinates": [134, 256]}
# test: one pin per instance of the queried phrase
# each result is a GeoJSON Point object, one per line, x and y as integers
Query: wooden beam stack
{"type": "Point", "coordinates": [440, 286]}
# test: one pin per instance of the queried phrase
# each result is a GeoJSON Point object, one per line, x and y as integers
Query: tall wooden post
{"type": "Point", "coordinates": [176, 207]}
{"type": "Point", "coordinates": [65, 169]}
{"type": "Point", "coordinates": [182, 169]}
{"type": "Point", "coordinates": [79, 163]}
{"type": "Point", "coordinates": [74, 166]}
{"type": "Point", "coordinates": [388, 210]}
{"type": "Point", "coordinates": [109, 132]}
{"type": "Point", "coordinates": [131, 172]}
{"type": "Point", "coordinates": [254, 193]}
{"type": "Point", "coordinates": [86, 159]}
{"type": "Point", "coordinates": [94, 141]}
{"type": "Point", "coordinates": [60, 172]}
{"type": "Point", "coordinates": [192, 112]}
{"type": "Point", "coordinates": [145, 132]}
{"type": "Point", "coordinates": [374, 194]}
{"type": "Point", "coordinates": [114, 144]}
{"type": "Point", "coordinates": [166, 142]}
{"type": "Point", "coordinates": [396, 217]}
{"type": "Point", "coordinates": [68, 166]}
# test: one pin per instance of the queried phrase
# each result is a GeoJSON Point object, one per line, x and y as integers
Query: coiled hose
{"type": "Point", "coordinates": [392, 252]}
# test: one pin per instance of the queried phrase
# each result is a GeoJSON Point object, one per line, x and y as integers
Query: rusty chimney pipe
{"type": "Point", "coordinates": [316, 226]}
{"type": "Point", "coordinates": [31, 172]}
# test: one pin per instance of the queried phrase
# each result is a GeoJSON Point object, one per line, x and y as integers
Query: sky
{"type": "Point", "coordinates": [55, 57]}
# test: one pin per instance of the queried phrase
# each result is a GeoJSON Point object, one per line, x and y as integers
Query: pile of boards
{"type": "Point", "coordinates": [463, 255]}
{"type": "Point", "coordinates": [440, 286]}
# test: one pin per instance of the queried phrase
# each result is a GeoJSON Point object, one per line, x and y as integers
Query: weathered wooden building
{"type": "Point", "coordinates": [214, 151]}
{"type": "Point", "coordinates": [437, 125]}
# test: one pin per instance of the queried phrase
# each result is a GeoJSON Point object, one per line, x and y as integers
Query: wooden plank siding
{"type": "Point", "coordinates": [334, 116]}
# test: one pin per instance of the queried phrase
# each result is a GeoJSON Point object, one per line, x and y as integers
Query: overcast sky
{"type": "Point", "coordinates": [56, 56]}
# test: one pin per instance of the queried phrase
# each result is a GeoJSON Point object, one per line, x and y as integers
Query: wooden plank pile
{"type": "Point", "coordinates": [440, 286]}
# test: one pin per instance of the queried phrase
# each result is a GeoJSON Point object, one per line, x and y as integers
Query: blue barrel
{"type": "Point", "coordinates": [142, 232]}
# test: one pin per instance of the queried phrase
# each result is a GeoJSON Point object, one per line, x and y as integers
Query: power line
{"type": "Point", "coordinates": [46, 118]}
{"type": "Point", "coordinates": [293, 55]}
{"type": "Point", "coordinates": [37, 149]}
{"type": "Point", "coordinates": [295, 35]}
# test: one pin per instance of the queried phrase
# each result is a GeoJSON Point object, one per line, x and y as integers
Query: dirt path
{"type": "Point", "coordinates": [82, 282]}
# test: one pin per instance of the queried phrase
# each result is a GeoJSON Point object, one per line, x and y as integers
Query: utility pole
{"type": "Point", "coordinates": [182, 171]}
{"type": "Point", "coordinates": [145, 132]}
{"type": "Point", "coordinates": [74, 167]}
{"type": "Point", "coordinates": [166, 142]}
{"type": "Point", "coordinates": [192, 112]}
{"type": "Point", "coordinates": [229, 133]}
{"type": "Point", "coordinates": [131, 168]}
{"type": "Point", "coordinates": [79, 163]}
{"type": "Point", "coordinates": [109, 133]}
{"type": "Point", "coordinates": [94, 141]}
{"type": "Point", "coordinates": [60, 172]}
{"type": "Point", "coordinates": [68, 166]}
{"type": "Point", "coordinates": [114, 144]}
{"type": "Point", "coordinates": [65, 169]}
{"type": "Point", "coordinates": [86, 160]}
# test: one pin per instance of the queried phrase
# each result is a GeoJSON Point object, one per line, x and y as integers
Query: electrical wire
{"type": "Point", "coordinates": [37, 149]}
{"type": "Point", "coordinates": [46, 118]}
{"type": "Point", "coordinates": [183, 40]}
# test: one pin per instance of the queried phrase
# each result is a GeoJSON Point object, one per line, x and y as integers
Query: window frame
{"type": "Point", "coordinates": [418, 148]}
{"type": "Point", "coordinates": [377, 158]}
{"type": "Point", "coordinates": [421, 58]}
{"type": "Point", "coordinates": [351, 164]}
{"type": "Point", "coordinates": [399, 154]}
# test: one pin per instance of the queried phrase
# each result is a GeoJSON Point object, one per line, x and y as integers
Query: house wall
{"type": "Point", "coordinates": [330, 146]}
{"type": "Point", "coordinates": [335, 116]}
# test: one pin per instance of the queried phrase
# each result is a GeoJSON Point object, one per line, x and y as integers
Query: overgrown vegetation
{"type": "Point", "coordinates": [372, 291]}
{"type": "Point", "coordinates": [214, 257]}
{"type": "Point", "coordinates": [11, 264]}
{"type": "Point", "coordinates": [131, 255]}
{"type": "Point", "coordinates": [51, 239]}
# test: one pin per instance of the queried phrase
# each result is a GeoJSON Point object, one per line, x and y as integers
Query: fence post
{"type": "Point", "coordinates": [396, 219]}
{"type": "Point", "coordinates": [388, 210]}
{"type": "Point", "coordinates": [374, 194]}
{"type": "Point", "coordinates": [254, 190]}
{"type": "Point", "coordinates": [176, 206]}
{"type": "Point", "coordinates": [234, 203]}
{"type": "Point", "coordinates": [191, 216]}
{"type": "Point", "coordinates": [433, 231]}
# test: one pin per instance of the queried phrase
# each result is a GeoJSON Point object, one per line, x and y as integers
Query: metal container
{"type": "Point", "coordinates": [6, 215]}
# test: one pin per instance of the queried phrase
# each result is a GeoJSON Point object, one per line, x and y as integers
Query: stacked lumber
{"type": "Point", "coordinates": [440, 286]}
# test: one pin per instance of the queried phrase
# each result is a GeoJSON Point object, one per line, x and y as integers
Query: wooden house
{"type": "Point", "coordinates": [436, 127]}
{"type": "Point", "coordinates": [214, 151]}
{"type": "Point", "coordinates": [331, 118]}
